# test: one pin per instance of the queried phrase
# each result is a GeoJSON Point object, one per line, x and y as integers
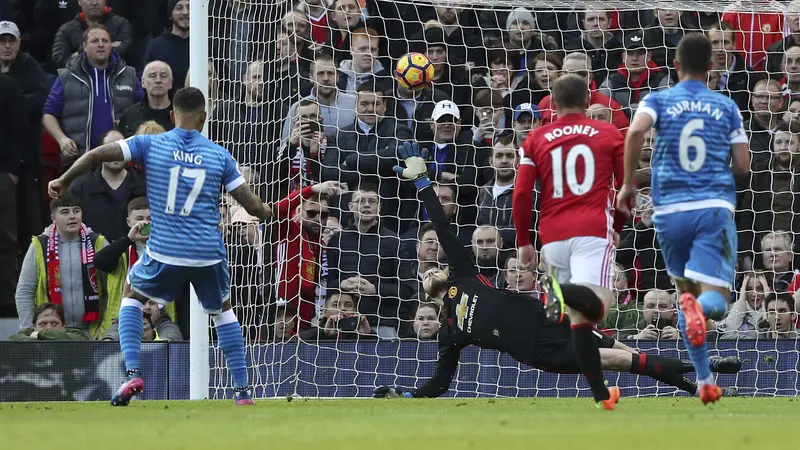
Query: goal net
{"type": "Point", "coordinates": [329, 292]}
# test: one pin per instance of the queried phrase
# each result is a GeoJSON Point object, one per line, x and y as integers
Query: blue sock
{"type": "Point", "coordinates": [229, 334]}
{"type": "Point", "coordinates": [698, 355]}
{"type": "Point", "coordinates": [713, 303]}
{"type": "Point", "coordinates": [130, 332]}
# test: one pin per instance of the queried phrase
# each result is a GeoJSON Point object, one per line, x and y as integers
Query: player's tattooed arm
{"type": "Point", "coordinates": [105, 153]}
{"type": "Point", "coordinates": [250, 202]}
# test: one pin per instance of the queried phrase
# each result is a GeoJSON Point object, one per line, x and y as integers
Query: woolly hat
{"type": "Point", "coordinates": [520, 15]}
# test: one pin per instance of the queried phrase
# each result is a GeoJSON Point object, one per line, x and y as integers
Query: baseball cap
{"type": "Point", "coordinates": [445, 107]}
{"type": "Point", "coordinates": [633, 41]}
{"type": "Point", "coordinates": [11, 28]}
{"type": "Point", "coordinates": [527, 108]}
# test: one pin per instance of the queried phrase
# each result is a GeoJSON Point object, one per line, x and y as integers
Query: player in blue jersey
{"type": "Point", "coordinates": [694, 195]}
{"type": "Point", "coordinates": [185, 176]}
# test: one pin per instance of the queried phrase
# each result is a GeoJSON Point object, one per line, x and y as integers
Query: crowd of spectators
{"type": "Point", "coordinates": [303, 97]}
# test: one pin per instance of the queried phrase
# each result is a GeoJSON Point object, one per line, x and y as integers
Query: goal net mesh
{"type": "Point", "coordinates": [299, 281]}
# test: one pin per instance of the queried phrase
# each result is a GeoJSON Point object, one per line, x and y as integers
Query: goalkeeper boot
{"type": "Point", "coordinates": [695, 320]}
{"type": "Point", "coordinates": [710, 393]}
{"type": "Point", "coordinates": [553, 299]}
{"type": "Point", "coordinates": [134, 386]}
{"type": "Point", "coordinates": [243, 397]}
{"type": "Point", "coordinates": [612, 401]}
{"type": "Point", "coordinates": [726, 364]}
{"type": "Point", "coordinates": [730, 392]}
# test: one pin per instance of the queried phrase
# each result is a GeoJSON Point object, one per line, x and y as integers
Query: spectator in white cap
{"type": "Point", "coordinates": [452, 157]}
{"type": "Point", "coordinates": [526, 117]}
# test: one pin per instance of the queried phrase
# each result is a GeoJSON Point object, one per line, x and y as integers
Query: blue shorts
{"type": "Point", "coordinates": [161, 282]}
{"type": "Point", "coordinates": [699, 245]}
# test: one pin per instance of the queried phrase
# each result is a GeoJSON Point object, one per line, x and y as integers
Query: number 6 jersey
{"type": "Point", "coordinates": [695, 128]}
{"type": "Point", "coordinates": [577, 161]}
{"type": "Point", "coordinates": [185, 176]}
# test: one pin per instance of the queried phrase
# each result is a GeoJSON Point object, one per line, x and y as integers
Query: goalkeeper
{"type": "Point", "coordinates": [476, 313]}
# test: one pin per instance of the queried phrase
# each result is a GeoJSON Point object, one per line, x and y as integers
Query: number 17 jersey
{"type": "Point", "coordinates": [695, 128]}
{"type": "Point", "coordinates": [578, 161]}
{"type": "Point", "coordinates": [185, 176]}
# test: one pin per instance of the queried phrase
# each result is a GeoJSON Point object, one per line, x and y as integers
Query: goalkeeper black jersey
{"type": "Point", "coordinates": [476, 313]}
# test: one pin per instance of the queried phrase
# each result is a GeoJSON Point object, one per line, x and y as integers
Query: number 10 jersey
{"type": "Point", "coordinates": [695, 128]}
{"type": "Point", "coordinates": [578, 161]}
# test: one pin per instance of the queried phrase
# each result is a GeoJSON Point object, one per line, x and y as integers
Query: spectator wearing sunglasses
{"type": "Point", "coordinates": [299, 223]}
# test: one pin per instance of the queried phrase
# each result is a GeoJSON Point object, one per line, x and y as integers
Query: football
{"type": "Point", "coordinates": [414, 71]}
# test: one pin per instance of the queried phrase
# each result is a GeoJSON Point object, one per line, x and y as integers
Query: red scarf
{"type": "Point", "coordinates": [90, 298]}
{"type": "Point", "coordinates": [636, 82]}
{"type": "Point", "coordinates": [133, 255]}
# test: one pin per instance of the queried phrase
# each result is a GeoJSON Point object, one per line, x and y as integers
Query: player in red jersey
{"type": "Point", "coordinates": [577, 161]}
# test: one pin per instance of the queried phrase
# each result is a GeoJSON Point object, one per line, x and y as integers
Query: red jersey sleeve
{"type": "Point", "coordinates": [618, 152]}
{"type": "Point", "coordinates": [522, 199]}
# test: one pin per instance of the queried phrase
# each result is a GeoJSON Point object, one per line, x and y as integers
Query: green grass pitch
{"type": "Point", "coordinates": [407, 424]}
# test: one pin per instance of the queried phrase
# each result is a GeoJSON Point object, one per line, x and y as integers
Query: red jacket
{"type": "Point", "coordinates": [618, 117]}
{"type": "Point", "coordinates": [755, 32]}
{"type": "Point", "coordinates": [297, 258]}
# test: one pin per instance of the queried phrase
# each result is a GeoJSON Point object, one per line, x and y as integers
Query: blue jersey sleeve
{"type": "Point", "coordinates": [135, 148]}
{"type": "Point", "coordinates": [737, 133]}
{"type": "Point", "coordinates": [231, 176]}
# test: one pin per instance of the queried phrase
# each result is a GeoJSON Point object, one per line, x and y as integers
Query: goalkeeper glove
{"type": "Point", "coordinates": [416, 167]}
{"type": "Point", "coordinates": [391, 392]}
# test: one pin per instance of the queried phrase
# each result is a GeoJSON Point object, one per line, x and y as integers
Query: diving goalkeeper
{"type": "Point", "coordinates": [476, 313]}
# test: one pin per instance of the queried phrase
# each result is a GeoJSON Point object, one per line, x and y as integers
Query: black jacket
{"type": "Point", "coordinates": [760, 144]}
{"type": "Point", "coordinates": [13, 126]}
{"type": "Point", "coordinates": [140, 113]}
{"type": "Point", "coordinates": [69, 38]}
{"type": "Point", "coordinates": [359, 157]}
{"type": "Point", "coordinates": [35, 86]}
{"type": "Point", "coordinates": [375, 256]}
{"type": "Point", "coordinates": [100, 211]}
